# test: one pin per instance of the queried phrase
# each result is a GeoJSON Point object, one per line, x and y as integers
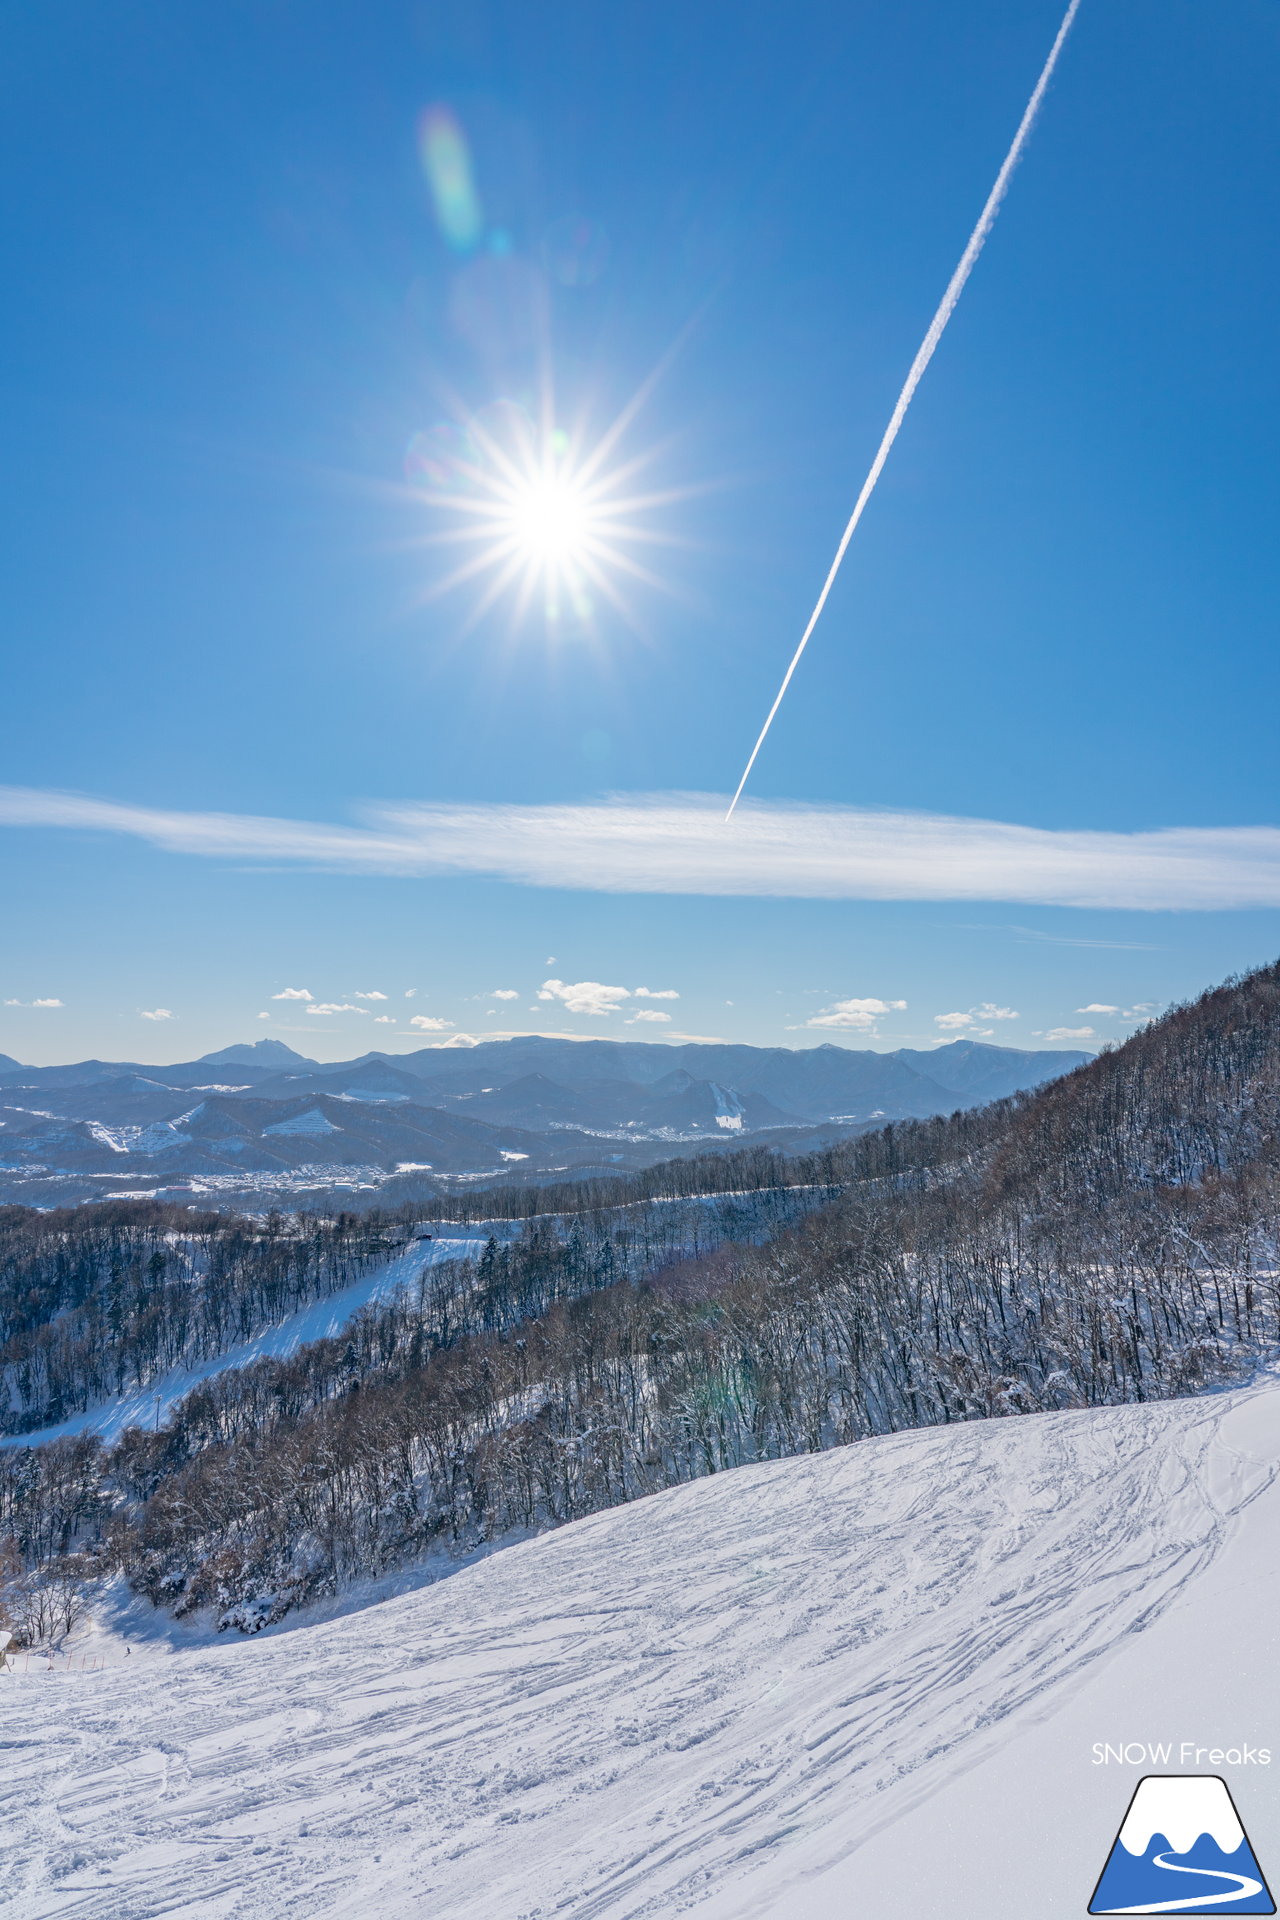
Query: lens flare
{"type": "Point", "coordinates": [446, 161]}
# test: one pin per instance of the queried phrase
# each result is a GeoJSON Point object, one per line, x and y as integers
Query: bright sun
{"type": "Point", "coordinates": [551, 520]}
{"type": "Point", "coordinates": [549, 517]}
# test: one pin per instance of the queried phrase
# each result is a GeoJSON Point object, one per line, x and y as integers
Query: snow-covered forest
{"type": "Point", "coordinates": [1109, 1238]}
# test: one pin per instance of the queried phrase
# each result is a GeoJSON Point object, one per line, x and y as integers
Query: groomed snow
{"type": "Point", "coordinates": [866, 1682]}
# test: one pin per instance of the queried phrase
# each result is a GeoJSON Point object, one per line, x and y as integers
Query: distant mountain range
{"type": "Point", "coordinates": [262, 1118]}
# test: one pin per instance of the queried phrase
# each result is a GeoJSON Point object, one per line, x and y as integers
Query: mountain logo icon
{"type": "Point", "coordinates": [1181, 1849]}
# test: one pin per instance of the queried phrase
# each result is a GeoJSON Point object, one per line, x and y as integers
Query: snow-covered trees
{"type": "Point", "coordinates": [96, 1300]}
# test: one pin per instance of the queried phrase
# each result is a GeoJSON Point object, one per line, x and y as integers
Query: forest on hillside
{"type": "Point", "coordinates": [1111, 1237]}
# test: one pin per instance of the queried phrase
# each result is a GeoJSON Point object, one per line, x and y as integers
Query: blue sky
{"type": "Point", "coordinates": [232, 310]}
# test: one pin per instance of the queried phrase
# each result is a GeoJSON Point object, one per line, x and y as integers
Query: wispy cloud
{"type": "Point", "coordinates": [369, 996]}
{"type": "Point", "coordinates": [157, 1013]}
{"type": "Point", "coordinates": [656, 993]}
{"type": "Point", "coordinates": [1068, 1033]}
{"type": "Point", "coordinates": [293, 993]}
{"type": "Point", "coordinates": [335, 1006]}
{"type": "Point", "coordinates": [33, 1003]}
{"type": "Point", "coordinates": [679, 843]}
{"type": "Point", "coordinates": [1141, 1009]}
{"type": "Point", "coordinates": [1023, 934]}
{"type": "Point", "coordinates": [504, 993]}
{"type": "Point", "coordinates": [855, 1015]}
{"type": "Point", "coordinates": [427, 1023]}
{"type": "Point", "coordinates": [649, 1013]}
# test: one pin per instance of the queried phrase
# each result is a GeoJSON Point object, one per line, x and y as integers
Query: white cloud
{"type": "Point", "coordinates": [505, 993]}
{"type": "Point", "coordinates": [33, 1003]}
{"type": "Point", "coordinates": [335, 1006]}
{"type": "Point", "coordinates": [292, 993]}
{"type": "Point", "coordinates": [857, 1015]}
{"type": "Point", "coordinates": [1069, 1033]}
{"type": "Point", "coordinates": [427, 1023]}
{"type": "Point", "coordinates": [157, 1013]}
{"type": "Point", "coordinates": [1141, 1010]}
{"type": "Point", "coordinates": [550, 960]}
{"type": "Point", "coordinates": [264, 1016]}
{"type": "Point", "coordinates": [649, 1013]}
{"type": "Point", "coordinates": [584, 996]}
{"type": "Point", "coordinates": [369, 996]}
{"type": "Point", "coordinates": [410, 993]}
{"type": "Point", "coordinates": [384, 1020]}
{"type": "Point", "coordinates": [965, 1022]}
{"type": "Point", "coordinates": [656, 993]}
{"type": "Point", "coordinates": [681, 843]}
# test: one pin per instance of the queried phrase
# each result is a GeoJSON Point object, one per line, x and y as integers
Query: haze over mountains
{"type": "Point", "coordinates": [261, 1118]}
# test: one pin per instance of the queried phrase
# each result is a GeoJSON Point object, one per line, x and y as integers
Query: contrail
{"type": "Point", "coordinates": [937, 328]}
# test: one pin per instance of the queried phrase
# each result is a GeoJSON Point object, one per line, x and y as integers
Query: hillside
{"type": "Point", "coordinates": [867, 1681]}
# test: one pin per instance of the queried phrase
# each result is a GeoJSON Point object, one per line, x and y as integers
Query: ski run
{"type": "Point", "coordinates": [666, 1229]}
{"type": "Point", "coordinates": [874, 1681]}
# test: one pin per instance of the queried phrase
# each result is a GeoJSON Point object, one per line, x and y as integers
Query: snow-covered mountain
{"type": "Point", "coordinates": [258, 1118]}
{"type": "Point", "coordinates": [257, 1053]}
{"type": "Point", "coordinates": [881, 1680]}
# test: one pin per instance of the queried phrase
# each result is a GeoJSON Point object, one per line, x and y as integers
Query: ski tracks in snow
{"type": "Point", "coordinates": [618, 1718]}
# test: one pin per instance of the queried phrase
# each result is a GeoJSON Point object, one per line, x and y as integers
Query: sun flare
{"type": "Point", "coordinates": [551, 518]}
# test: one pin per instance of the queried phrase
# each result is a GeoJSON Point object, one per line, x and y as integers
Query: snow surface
{"type": "Point", "coordinates": [312, 1121]}
{"type": "Point", "coordinates": [865, 1682]}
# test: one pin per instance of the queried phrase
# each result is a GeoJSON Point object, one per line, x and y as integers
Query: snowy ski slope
{"type": "Point", "coordinates": [865, 1682]}
{"type": "Point", "coordinates": [150, 1405]}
